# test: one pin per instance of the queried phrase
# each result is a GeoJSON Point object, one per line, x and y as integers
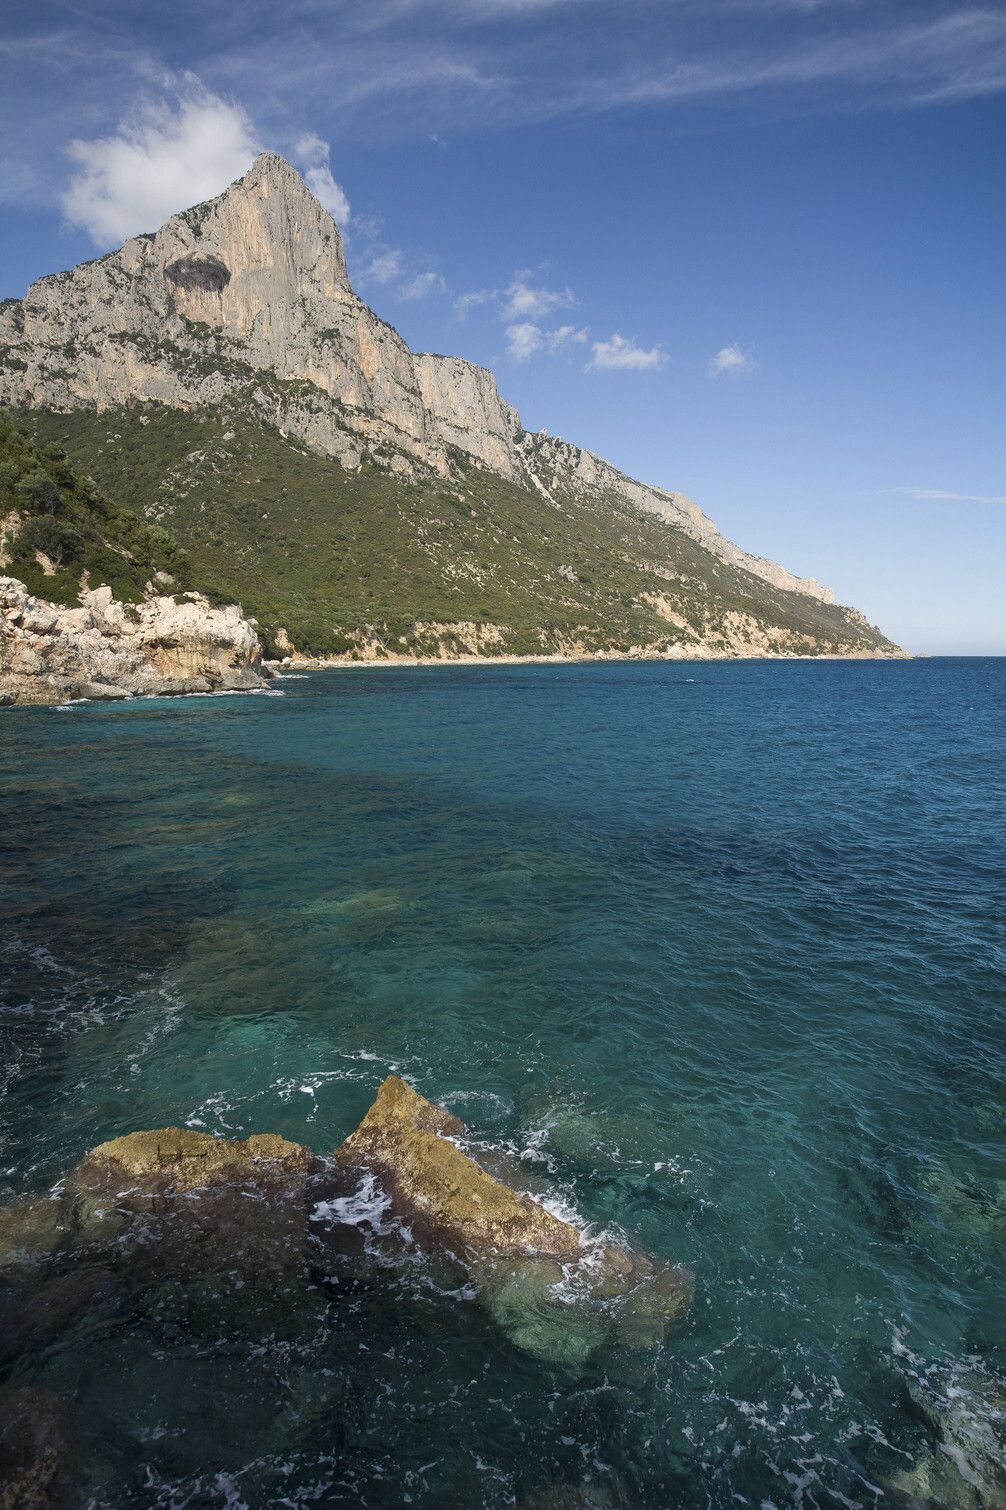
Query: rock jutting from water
{"type": "Point", "coordinates": [195, 1202]}
{"type": "Point", "coordinates": [555, 1292]}
{"type": "Point", "coordinates": [407, 1141]}
{"type": "Point", "coordinates": [110, 650]}
{"type": "Point", "coordinates": [192, 1204]}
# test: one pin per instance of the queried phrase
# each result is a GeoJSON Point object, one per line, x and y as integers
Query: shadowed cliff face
{"type": "Point", "coordinates": [247, 295]}
{"type": "Point", "coordinates": [203, 274]}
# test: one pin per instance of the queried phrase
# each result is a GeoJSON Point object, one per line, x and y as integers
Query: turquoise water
{"type": "Point", "coordinates": [717, 951]}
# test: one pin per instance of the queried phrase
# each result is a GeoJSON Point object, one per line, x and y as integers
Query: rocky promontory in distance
{"type": "Point", "coordinates": [96, 603]}
{"type": "Point", "coordinates": [109, 651]}
{"type": "Point", "coordinates": [221, 378]}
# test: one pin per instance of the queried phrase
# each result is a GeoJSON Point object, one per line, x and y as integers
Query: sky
{"type": "Point", "coordinates": [754, 250]}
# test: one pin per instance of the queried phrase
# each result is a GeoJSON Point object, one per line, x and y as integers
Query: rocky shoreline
{"type": "Point", "coordinates": [112, 651]}
{"type": "Point", "coordinates": [174, 646]}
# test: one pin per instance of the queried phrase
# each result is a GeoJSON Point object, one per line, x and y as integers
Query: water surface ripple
{"type": "Point", "coordinates": [719, 951]}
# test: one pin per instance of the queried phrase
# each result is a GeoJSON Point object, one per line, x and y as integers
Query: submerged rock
{"type": "Point", "coordinates": [967, 1471]}
{"type": "Point", "coordinates": [30, 1229]}
{"type": "Point", "coordinates": [239, 965]}
{"type": "Point", "coordinates": [968, 1204]}
{"type": "Point", "coordinates": [36, 1452]}
{"type": "Point", "coordinates": [556, 1293]}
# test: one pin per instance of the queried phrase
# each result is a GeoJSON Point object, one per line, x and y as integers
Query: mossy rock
{"type": "Point", "coordinates": [556, 1295]}
{"type": "Point", "coordinates": [180, 1159]}
{"type": "Point", "coordinates": [31, 1228]}
{"type": "Point", "coordinates": [211, 1203]}
{"type": "Point", "coordinates": [192, 1202]}
{"type": "Point", "coordinates": [407, 1141]}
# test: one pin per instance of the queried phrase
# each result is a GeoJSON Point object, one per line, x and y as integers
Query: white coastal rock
{"type": "Point", "coordinates": [106, 649]}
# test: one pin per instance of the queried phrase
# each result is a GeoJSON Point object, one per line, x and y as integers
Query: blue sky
{"type": "Point", "coordinates": [751, 249]}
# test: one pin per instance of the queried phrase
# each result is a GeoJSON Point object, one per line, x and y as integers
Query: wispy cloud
{"type": "Point", "coordinates": [620, 354]}
{"type": "Point", "coordinates": [939, 495]}
{"type": "Point", "coordinates": [731, 361]}
{"type": "Point", "coordinates": [465, 303]}
{"type": "Point", "coordinates": [523, 340]}
{"type": "Point", "coordinates": [422, 284]}
{"type": "Point", "coordinates": [524, 301]}
{"type": "Point", "coordinates": [957, 54]}
{"type": "Point", "coordinates": [383, 267]}
{"type": "Point", "coordinates": [167, 154]}
{"type": "Point", "coordinates": [522, 307]}
{"type": "Point", "coordinates": [313, 156]}
{"type": "Point", "coordinates": [455, 64]}
{"type": "Point", "coordinates": [565, 335]}
{"type": "Point", "coordinates": [387, 267]}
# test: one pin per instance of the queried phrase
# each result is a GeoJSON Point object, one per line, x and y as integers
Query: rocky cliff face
{"type": "Point", "coordinates": [248, 291]}
{"type": "Point", "coordinates": [247, 297]}
{"type": "Point", "coordinates": [110, 650]}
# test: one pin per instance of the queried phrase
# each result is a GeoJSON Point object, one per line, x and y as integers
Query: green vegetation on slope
{"type": "Point", "coordinates": [57, 530]}
{"type": "Point", "coordinates": [336, 558]}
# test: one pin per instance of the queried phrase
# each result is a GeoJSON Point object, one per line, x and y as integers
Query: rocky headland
{"type": "Point", "coordinates": [104, 649]}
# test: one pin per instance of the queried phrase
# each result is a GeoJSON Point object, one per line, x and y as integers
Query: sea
{"type": "Point", "coordinates": [714, 954]}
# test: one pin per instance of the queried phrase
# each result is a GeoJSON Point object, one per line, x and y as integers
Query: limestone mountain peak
{"type": "Point", "coordinates": [266, 225]}
{"type": "Point", "coordinates": [245, 299]}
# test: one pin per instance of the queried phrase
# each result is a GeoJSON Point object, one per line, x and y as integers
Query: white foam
{"type": "Point", "coordinates": [366, 1207]}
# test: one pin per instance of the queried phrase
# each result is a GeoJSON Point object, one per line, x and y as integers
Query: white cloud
{"type": "Point", "coordinates": [313, 154]}
{"type": "Point", "coordinates": [565, 335]}
{"type": "Point", "coordinates": [523, 340]}
{"type": "Point", "coordinates": [623, 355]}
{"type": "Point", "coordinates": [383, 267]}
{"type": "Point", "coordinates": [388, 267]}
{"type": "Point", "coordinates": [422, 284]}
{"type": "Point", "coordinates": [465, 303]}
{"type": "Point", "coordinates": [732, 362]}
{"type": "Point", "coordinates": [521, 306]}
{"type": "Point", "coordinates": [525, 301]}
{"type": "Point", "coordinates": [937, 495]}
{"type": "Point", "coordinates": [165, 156]}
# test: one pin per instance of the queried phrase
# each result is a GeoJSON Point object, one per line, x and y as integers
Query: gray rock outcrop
{"type": "Point", "coordinates": [110, 650]}
{"type": "Point", "coordinates": [247, 296]}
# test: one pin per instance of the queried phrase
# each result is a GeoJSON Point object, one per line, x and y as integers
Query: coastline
{"type": "Point", "coordinates": [337, 663]}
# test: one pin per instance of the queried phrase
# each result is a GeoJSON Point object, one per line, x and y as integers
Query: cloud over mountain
{"type": "Point", "coordinates": [167, 153]}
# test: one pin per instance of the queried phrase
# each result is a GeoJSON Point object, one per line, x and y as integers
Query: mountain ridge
{"type": "Point", "coordinates": [245, 300]}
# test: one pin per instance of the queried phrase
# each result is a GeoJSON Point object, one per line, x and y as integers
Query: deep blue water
{"type": "Point", "coordinates": [719, 950]}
